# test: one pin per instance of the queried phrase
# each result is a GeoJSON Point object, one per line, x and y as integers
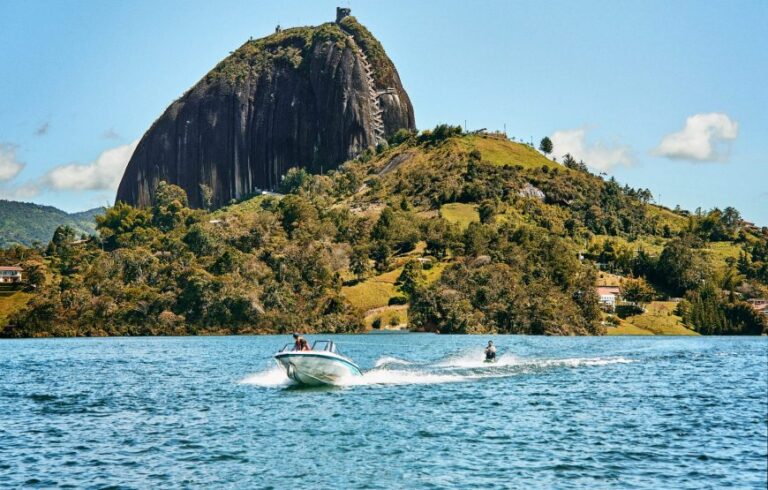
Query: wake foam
{"type": "Point", "coordinates": [401, 377]}
{"type": "Point", "coordinates": [463, 366]}
{"type": "Point", "coordinates": [389, 360]}
{"type": "Point", "coordinates": [271, 378]}
{"type": "Point", "coordinates": [584, 361]}
{"type": "Point", "coordinates": [475, 359]}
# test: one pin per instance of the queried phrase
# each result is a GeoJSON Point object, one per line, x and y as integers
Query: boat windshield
{"type": "Point", "coordinates": [324, 346]}
{"type": "Point", "coordinates": [318, 345]}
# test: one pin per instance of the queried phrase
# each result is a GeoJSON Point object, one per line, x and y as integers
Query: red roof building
{"type": "Point", "coordinates": [10, 274]}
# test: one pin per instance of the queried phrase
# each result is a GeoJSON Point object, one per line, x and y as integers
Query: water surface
{"type": "Point", "coordinates": [613, 412]}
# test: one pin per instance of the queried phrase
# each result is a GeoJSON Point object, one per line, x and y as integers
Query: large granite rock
{"type": "Point", "coordinates": [311, 97]}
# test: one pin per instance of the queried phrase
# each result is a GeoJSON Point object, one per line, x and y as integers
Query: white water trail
{"type": "Point", "coordinates": [581, 361]}
{"type": "Point", "coordinates": [390, 360]}
{"type": "Point", "coordinates": [475, 358]}
{"type": "Point", "coordinates": [399, 377]}
{"type": "Point", "coordinates": [463, 366]}
{"type": "Point", "coordinates": [271, 378]}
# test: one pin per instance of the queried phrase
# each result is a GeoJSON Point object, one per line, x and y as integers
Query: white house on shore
{"type": "Point", "coordinates": [609, 296]}
{"type": "Point", "coordinates": [10, 274]}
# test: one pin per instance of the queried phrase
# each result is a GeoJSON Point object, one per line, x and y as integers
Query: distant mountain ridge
{"type": "Point", "coordinates": [25, 223]}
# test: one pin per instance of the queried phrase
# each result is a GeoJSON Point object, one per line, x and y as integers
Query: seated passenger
{"type": "Point", "coordinates": [298, 341]}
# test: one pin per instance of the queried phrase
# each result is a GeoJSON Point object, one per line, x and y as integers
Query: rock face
{"type": "Point", "coordinates": [308, 97]}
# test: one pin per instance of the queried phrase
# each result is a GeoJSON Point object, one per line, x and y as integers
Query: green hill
{"type": "Point", "coordinates": [437, 230]}
{"type": "Point", "coordinates": [25, 223]}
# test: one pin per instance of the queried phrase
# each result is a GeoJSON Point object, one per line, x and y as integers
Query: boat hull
{"type": "Point", "coordinates": [317, 368]}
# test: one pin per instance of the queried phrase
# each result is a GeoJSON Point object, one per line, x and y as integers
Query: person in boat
{"type": "Point", "coordinates": [300, 343]}
{"type": "Point", "coordinates": [305, 344]}
{"type": "Point", "coordinates": [490, 352]}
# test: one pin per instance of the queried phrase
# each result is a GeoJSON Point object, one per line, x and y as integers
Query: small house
{"type": "Point", "coordinates": [10, 274]}
{"type": "Point", "coordinates": [759, 305]}
{"type": "Point", "coordinates": [608, 296]}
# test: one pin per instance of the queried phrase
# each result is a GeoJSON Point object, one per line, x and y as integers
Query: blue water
{"type": "Point", "coordinates": [554, 412]}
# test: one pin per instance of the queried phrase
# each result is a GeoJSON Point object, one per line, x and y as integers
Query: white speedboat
{"type": "Point", "coordinates": [323, 365]}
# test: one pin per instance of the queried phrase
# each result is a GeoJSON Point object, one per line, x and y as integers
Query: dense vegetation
{"type": "Point", "coordinates": [448, 232]}
{"type": "Point", "coordinates": [23, 223]}
{"type": "Point", "coordinates": [292, 46]}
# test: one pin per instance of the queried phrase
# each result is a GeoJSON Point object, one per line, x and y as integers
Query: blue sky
{"type": "Point", "coordinates": [665, 95]}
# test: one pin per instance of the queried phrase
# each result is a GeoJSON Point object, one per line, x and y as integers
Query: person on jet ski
{"type": "Point", "coordinates": [490, 352]}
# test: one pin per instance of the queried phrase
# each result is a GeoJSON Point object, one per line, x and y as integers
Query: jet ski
{"type": "Point", "coordinates": [322, 365]}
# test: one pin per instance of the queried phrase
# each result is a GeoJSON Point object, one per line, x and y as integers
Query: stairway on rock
{"type": "Point", "coordinates": [377, 122]}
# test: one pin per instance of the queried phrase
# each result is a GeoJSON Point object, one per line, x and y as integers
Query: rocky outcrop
{"type": "Point", "coordinates": [309, 97]}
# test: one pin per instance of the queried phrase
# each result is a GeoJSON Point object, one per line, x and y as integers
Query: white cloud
{"type": "Point", "coordinates": [10, 166]}
{"type": "Point", "coordinates": [705, 137]}
{"type": "Point", "coordinates": [104, 173]}
{"type": "Point", "coordinates": [21, 192]}
{"type": "Point", "coordinates": [597, 155]}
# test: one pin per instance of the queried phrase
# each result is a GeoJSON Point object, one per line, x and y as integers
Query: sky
{"type": "Point", "coordinates": [669, 96]}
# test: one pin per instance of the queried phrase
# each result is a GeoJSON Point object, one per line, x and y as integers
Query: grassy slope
{"type": "Point", "coordinates": [386, 314]}
{"type": "Point", "coordinates": [676, 222]}
{"type": "Point", "coordinates": [608, 279]}
{"type": "Point", "coordinates": [460, 213]}
{"type": "Point", "coordinates": [373, 292]}
{"type": "Point", "coordinates": [11, 302]}
{"type": "Point", "coordinates": [502, 152]}
{"type": "Point", "coordinates": [658, 319]}
{"type": "Point", "coordinates": [719, 252]}
{"type": "Point", "coordinates": [651, 244]}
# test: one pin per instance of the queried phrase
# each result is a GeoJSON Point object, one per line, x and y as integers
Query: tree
{"type": "Point", "coordinates": [401, 136]}
{"type": "Point", "coordinates": [440, 236]}
{"type": "Point", "coordinates": [731, 218]}
{"type": "Point", "coordinates": [168, 206]}
{"type": "Point", "coordinates": [296, 211]}
{"type": "Point", "coordinates": [411, 276]}
{"type": "Point", "coordinates": [680, 268]}
{"type": "Point", "coordinates": [487, 211]}
{"type": "Point", "coordinates": [359, 263]}
{"type": "Point", "coordinates": [122, 225]}
{"type": "Point", "coordinates": [61, 241]}
{"type": "Point", "coordinates": [206, 195]}
{"type": "Point", "coordinates": [397, 229]}
{"type": "Point", "coordinates": [293, 180]}
{"type": "Point", "coordinates": [34, 272]}
{"type": "Point", "coordinates": [546, 145]}
{"type": "Point", "coordinates": [380, 254]}
{"type": "Point", "coordinates": [570, 162]}
{"type": "Point", "coordinates": [199, 240]}
{"type": "Point", "coordinates": [638, 291]}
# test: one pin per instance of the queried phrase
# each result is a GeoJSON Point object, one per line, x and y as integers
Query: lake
{"type": "Point", "coordinates": [610, 412]}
